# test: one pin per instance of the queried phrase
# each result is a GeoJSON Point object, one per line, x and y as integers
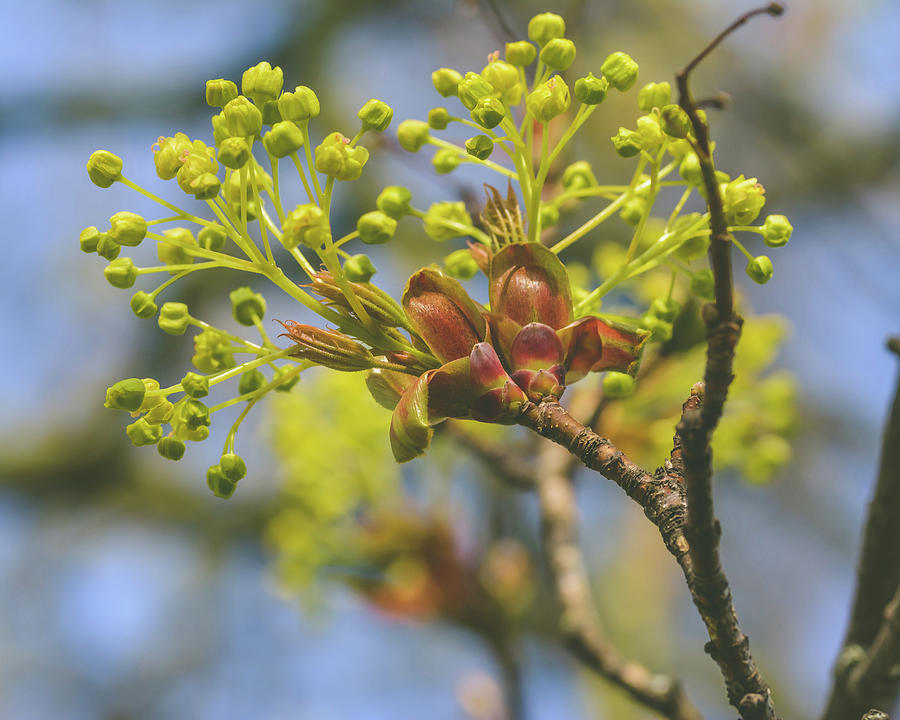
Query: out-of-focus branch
{"type": "Point", "coordinates": [877, 581]}
{"type": "Point", "coordinates": [511, 468]}
{"type": "Point", "coordinates": [580, 626]}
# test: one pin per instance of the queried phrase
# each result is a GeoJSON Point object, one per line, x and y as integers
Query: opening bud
{"type": "Point", "coordinates": [251, 381]}
{"type": "Point", "coordinates": [262, 83]}
{"type": "Point", "coordinates": [742, 200]}
{"type": "Point", "coordinates": [168, 153]}
{"type": "Point", "coordinates": [558, 53]}
{"type": "Point", "coordinates": [375, 115]}
{"type": "Point", "coordinates": [591, 90]}
{"type": "Point", "coordinates": [777, 230]}
{"type": "Point", "coordinates": [445, 220]}
{"type": "Point", "coordinates": [488, 112]}
{"type": "Point", "coordinates": [127, 228]}
{"type": "Point", "coordinates": [220, 92]}
{"type": "Point", "coordinates": [247, 307]}
{"type": "Point", "coordinates": [194, 414]}
{"type": "Point", "coordinates": [170, 448]}
{"type": "Point", "coordinates": [161, 412]}
{"type": "Point", "coordinates": [660, 330]}
{"type": "Point", "coordinates": [445, 161]}
{"type": "Point", "coordinates": [142, 305]}
{"type": "Point", "coordinates": [299, 106]}
{"type": "Point", "coordinates": [126, 395]}
{"type": "Point", "coordinates": [198, 161]}
{"type": "Point", "coordinates": [438, 118]}
{"type": "Point", "coordinates": [174, 318]}
{"type": "Point", "coordinates": [472, 88]}
{"type": "Point", "coordinates": [212, 352]}
{"type": "Point", "coordinates": [545, 27]}
{"type": "Point", "coordinates": [212, 237]}
{"type": "Point", "coordinates": [120, 273]}
{"type": "Point", "coordinates": [243, 118]}
{"type": "Point", "coordinates": [760, 269]}
{"type": "Point", "coordinates": [654, 95]}
{"type": "Point", "coordinates": [108, 248]}
{"type": "Point", "coordinates": [627, 142]}
{"type": "Point", "coordinates": [446, 81]}
{"type": "Point", "coordinates": [220, 485]}
{"type": "Point", "coordinates": [394, 201]}
{"type": "Point", "coordinates": [621, 70]}
{"type": "Point", "coordinates": [480, 146]}
{"type": "Point", "coordinates": [675, 121]}
{"type": "Point", "coordinates": [376, 227]}
{"type": "Point", "coordinates": [303, 225]}
{"type": "Point", "coordinates": [460, 264]}
{"type": "Point", "coordinates": [283, 139]}
{"type": "Point", "coordinates": [194, 385]}
{"type": "Point", "coordinates": [359, 268]}
{"type": "Point", "coordinates": [89, 239]}
{"type": "Point", "coordinates": [234, 152]}
{"type": "Point", "coordinates": [104, 168]}
{"type": "Point", "coordinates": [233, 467]}
{"type": "Point", "coordinates": [520, 53]}
{"type": "Point", "coordinates": [502, 76]}
{"type": "Point", "coordinates": [618, 385]}
{"type": "Point", "coordinates": [336, 158]}
{"type": "Point", "coordinates": [141, 432]}
{"type": "Point", "coordinates": [549, 99]}
{"type": "Point", "coordinates": [412, 135]}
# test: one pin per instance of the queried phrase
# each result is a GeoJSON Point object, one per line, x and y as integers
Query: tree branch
{"type": "Point", "coordinates": [878, 575]}
{"type": "Point", "coordinates": [581, 629]}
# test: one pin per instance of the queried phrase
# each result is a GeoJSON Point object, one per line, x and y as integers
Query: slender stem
{"type": "Point", "coordinates": [465, 157]}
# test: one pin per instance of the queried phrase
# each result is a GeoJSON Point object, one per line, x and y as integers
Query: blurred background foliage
{"type": "Point", "coordinates": [337, 584]}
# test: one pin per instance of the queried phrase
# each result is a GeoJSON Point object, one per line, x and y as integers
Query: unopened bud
{"type": "Point", "coordinates": [579, 176]}
{"type": "Point", "coordinates": [488, 112]}
{"type": "Point", "coordinates": [460, 264]}
{"type": "Point", "coordinates": [591, 90]}
{"type": "Point", "coordinates": [220, 485]}
{"type": "Point", "coordinates": [549, 99]}
{"type": "Point", "coordinates": [262, 83]}
{"type": "Point", "coordinates": [502, 76]}
{"type": "Point", "coordinates": [283, 139]}
{"type": "Point", "coordinates": [438, 118]}
{"type": "Point", "coordinates": [520, 53]}
{"type": "Point", "coordinates": [247, 307]}
{"type": "Point", "coordinates": [480, 146]}
{"type": "Point", "coordinates": [220, 92]}
{"type": "Point", "coordinates": [286, 385]}
{"type": "Point", "coordinates": [558, 54]}
{"type": "Point", "coordinates": [626, 142]}
{"type": "Point", "coordinates": [251, 381]}
{"type": "Point", "coordinates": [618, 385]}
{"type": "Point", "coordinates": [760, 269]}
{"type": "Point", "coordinates": [675, 121]}
{"type": "Point", "coordinates": [446, 81]}
{"type": "Point", "coordinates": [375, 115]}
{"type": "Point", "coordinates": [445, 220]}
{"type": "Point", "coordinates": [777, 230]}
{"type": "Point", "coordinates": [104, 168]}
{"type": "Point", "coordinates": [142, 305]}
{"type": "Point", "coordinates": [171, 248]}
{"type": "Point", "coordinates": [376, 227]}
{"type": "Point", "coordinates": [621, 70]}
{"type": "Point", "coordinates": [108, 248]}
{"type": "Point", "coordinates": [243, 117]}
{"type": "Point", "coordinates": [394, 201]}
{"type": "Point", "coordinates": [174, 318]}
{"type": "Point", "coordinates": [549, 215]}
{"type": "Point", "coordinates": [233, 467]}
{"type": "Point", "coordinates": [127, 228]}
{"type": "Point", "coordinates": [359, 268]}
{"type": "Point", "coordinates": [633, 210]}
{"type": "Point", "coordinates": [126, 395]}
{"type": "Point", "coordinates": [234, 152]}
{"type": "Point", "coordinates": [412, 135]}
{"type": "Point", "coordinates": [329, 348]}
{"type": "Point", "coordinates": [170, 448]}
{"type": "Point", "coordinates": [120, 273]}
{"type": "Point", "coordinates": [141, 432]}
{"type": "Point", "coordinates": [545, 27]}
{"type": "Point", "coordinates": [89, 239]}
{"type": "Point", "coordinates": [299, 106]}
{"type": "Point", "coordinates": [654, 95]}
{"type": "Point", "coordinates": [472, 88]}
{"type": "Point", "coordinates": [445, 161]}
{"type": "Point", "coordinates": [212, 237]}
{"type": "Point", "coordinates": [194, 385]}
{"type": "Point", "coordinates": [703, 284]}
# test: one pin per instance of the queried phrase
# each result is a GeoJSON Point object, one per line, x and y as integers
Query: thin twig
{"type": "Point", "coordinates": [511, 468]}
{"type": "Point", "coordinates": [580, 626]}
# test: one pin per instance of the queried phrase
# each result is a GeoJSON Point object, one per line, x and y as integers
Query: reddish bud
{"type": "Point", "coordinates": [528, 283]}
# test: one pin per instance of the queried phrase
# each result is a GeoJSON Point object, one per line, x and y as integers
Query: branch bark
{"type": "Point", "coordinates": [878, 576]}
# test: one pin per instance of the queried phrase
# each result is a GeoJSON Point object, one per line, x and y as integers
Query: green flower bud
{"type": "Point", "coordinates": [760, 269]}
{"type": "Point", "coordinates": [104, 168]}
{"type": "Point", "coordinates": [220, 92]}
{"type": "Point", "coordinates": [108, 248]}
{"type": "Point", "coordinates": [394, 201]}
{"type": "Point", "coordinates": [375, 115]}
{"type": "Point", "coordinates": [89, 239]}
{"type": "Point", "coordinates": [194, 385]}
{"type": "Point", "coordinates": [633, 210]}
{"type": "Point", "coordinates": [675, 121]}
{"type": "Point", "coordinates": [336, 158]}
{"type": "Point", "coordinates": [170, 448]}
{"type": "Point", "coordinates": [212, 352]}
{"type": "Point", "coordinates": [545, 27]}
{"type": "Point", "coordinates": [251, 381]}
{"type": "Point", "coordinates": [121, 273]}
{"type": "Point", "coordinates": [299, 106]}
{"type": "Point", "coordinates": [579, 176]}
{"type": "Point", "coordinates": [234, 152]}
{"type": "Point", "coordinates": [502, 75]}
{"type": "Point", "coordinates": [621, 71]}
{"type": "Point", "coordinates": [305, 224]}
{"type": "Point", "coordinates": [174, 318]}
{"type": "Point", "coordinates": [221, 486]}
{"type": "Point", "coordinates": [520, 53]}
{"type": "Point", "coordinates": [287, 385]}
{"type": "Point", "coordinates": [445, 161]}
{"type": "Point", "coordinates": [446, 81]}
{"type": "Point", "coordinates": [198, 161]}
{"type": "Point", "coordinates": [127, 228]}
{"type": "Point", "coordinates": [412, 135]}
{"type": "Point", "coordinates": [283, 139]}
{"type": "Point", "coordinates": [438, 118]}
{"type": "Point", "coordinates": [664, 309]}
{"type": "Point", "coordinates": [703, 284]}
{"type": "Point", "coordinates": [126, 395]}
{"type": "Point", "coordinates": [460, 264]}
{"type": "Point", "coordinates": [171, 248]}
{"type": "Point", "coordinates": [549, 99]}
{"type": "Point", "coordinates": [142, 432]}
{"type": "Point", "coordinates": [359, 268]}
{"type": "Point", "coordinates": [558, 54]}
{"type": "Point", "coordinates": [650, 132]}
{"type": "Point", "coordinates": [472, 88]}
{"type": "Point", "coordinates": [247, 306]}
{"type": "Point", "coordinates": [233, 467]}
{"type": "Point", "coordinates": [244, 119]}
{"type": "Point", "coordinates": [777, 230]}
{"type": "Point", "coordinates": [142, 305]}
{"type": "Point", "coordinates": [212, 237]}
{"type": "Point", "coordinates": [660, 330]}
{"type": "Point", "coordinates": [549, 215]}
{"type": "Point", "coordinates": [205, 186]}
{"type": "Point", "coordinates": [161, 412]}
{"type": "Point", "coordinates": [168, 154]}
{"type": "Point", "coordinates": [654, 95]}
{"type": "Point", "coordinates": [480, 146]}
{"type": "Point", "coordinates": [690, 170]}
{"type": "Point", "coordinates": [488, 112]}
{"type": "Point", "coordinates": [742, 200]}
{"type": "Point", "coordinates": [591, 90]}
{"type": "Point", "coordinates": [194, 414]}
{"type": "Point", "coordinates": [695, 246]}
{"type": "Point", "coordinates": [270, 113]}
{"type": "Point", "coordinates": [626, 142]}
{"type": "Point", "coordinates": [618, 385]}
{"type": "Point", "coordinates": [445, 220]}
{"type": "Point", "coordinates": [262, 83]}
{"type": "Point", "coordinates": [376, 227]}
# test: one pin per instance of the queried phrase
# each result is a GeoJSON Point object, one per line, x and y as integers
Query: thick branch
{"type": "Point", "coordinates": [879, 569]}
{"type": "Point", "coordinates": [876, 678]}
{"type": "Point", "coordinates": [581, 629]}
